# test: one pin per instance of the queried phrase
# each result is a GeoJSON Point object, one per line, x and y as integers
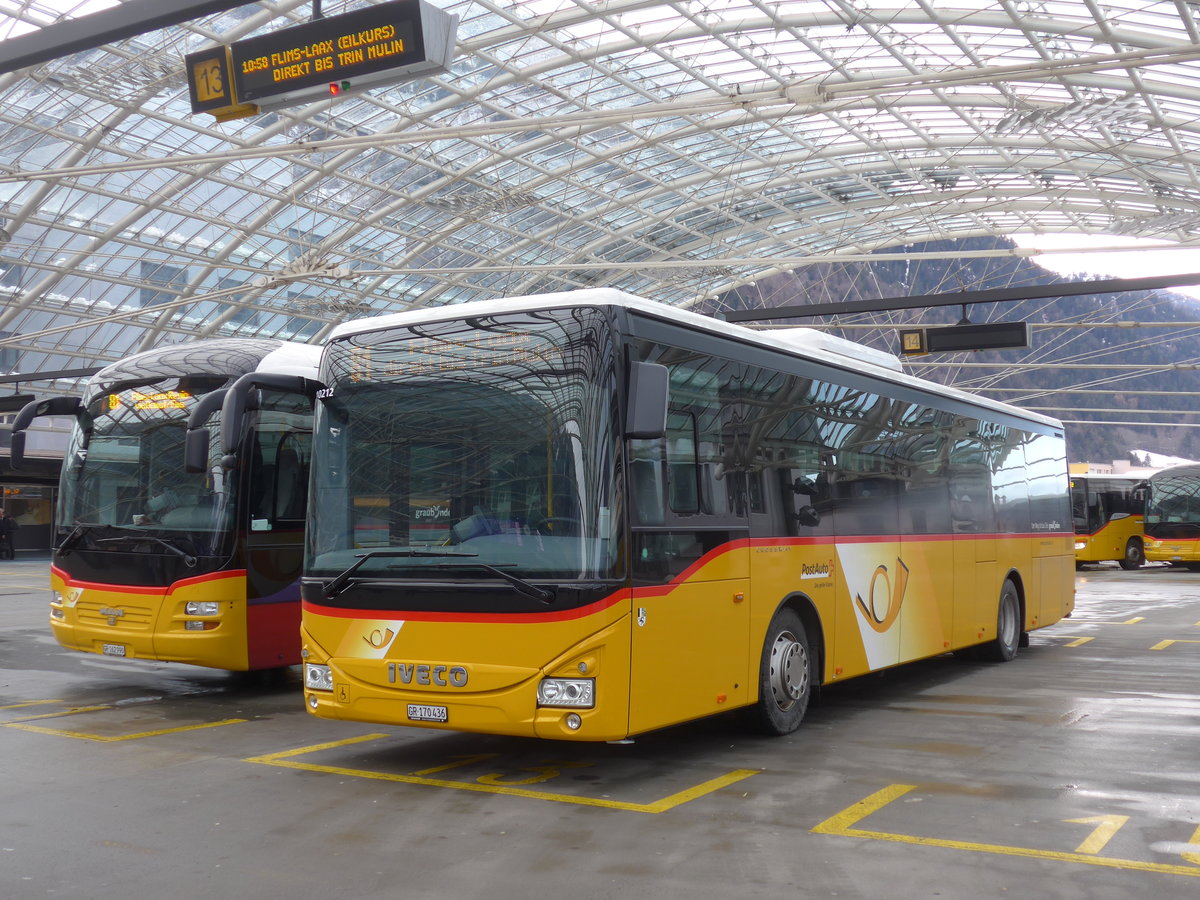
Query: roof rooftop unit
{"type": "Point", "coordinates": [812, 339]}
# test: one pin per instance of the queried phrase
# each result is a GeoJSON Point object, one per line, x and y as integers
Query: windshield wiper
{"type": "Point", "coordinates": [76, 535]}
{"type": "Point", "coordinates": [528, 588]}
{"type": "Point", "coordinates": [188, 559]}
{"type": "Point", "coordinates": [339, 582]}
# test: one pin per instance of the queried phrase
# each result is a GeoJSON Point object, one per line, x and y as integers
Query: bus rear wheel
{"type": "Point", "coordinates": [1008, 627]}
{"type": "Point", "coordinates": [785, 677]}
{"type": "Point", "coordinates": [1134, 555]}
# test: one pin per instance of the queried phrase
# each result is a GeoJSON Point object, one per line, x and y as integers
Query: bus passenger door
{"type": "Point", "coordinates": [691, 604]}
{"type": "Point", "coordinates": [276, 502]}
{"type": "Point", "coordinates": [690, 626]}
{"type": "Point", "coordinates": [973, 525]}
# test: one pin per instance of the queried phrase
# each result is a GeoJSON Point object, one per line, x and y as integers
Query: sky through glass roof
{"type": "Point", "coordinates": [675, 150]}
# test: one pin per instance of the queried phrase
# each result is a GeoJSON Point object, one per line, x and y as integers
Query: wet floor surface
{"type": "Point", "coordinates": [1071, 772]}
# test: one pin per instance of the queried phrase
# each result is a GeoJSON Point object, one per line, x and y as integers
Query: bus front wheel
{"type": "Point", "coordinates": [785, 676]}
{"type": "Point", "coordinates": [1008, 627]}
{"type": "Point", "coordinates": [1134, 555]}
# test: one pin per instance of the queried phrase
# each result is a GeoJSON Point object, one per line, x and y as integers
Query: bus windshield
{"type": "Point", "coordinates": [1173, 507]}
{"type": "Point", "coordinates": [125, 471]}
{"type": "Point", "coordinates": [482, 449]}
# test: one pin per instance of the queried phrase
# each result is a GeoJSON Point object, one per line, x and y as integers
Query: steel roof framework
{"type": "Point", "coordinates": [675, 150]}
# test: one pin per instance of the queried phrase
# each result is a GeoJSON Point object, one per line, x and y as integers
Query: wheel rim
{"type": "Point", "coordinates": [1008, 621]}
{"type": "Point", "coordinates": [1133, 554]}
{"type": "Point", "coordinates": [789, 670]}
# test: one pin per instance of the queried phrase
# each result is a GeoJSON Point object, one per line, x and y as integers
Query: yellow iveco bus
{"type": "Point", "coordinates": [586, 515]}
{"type": "Point", "coordinates": [1108, 512]}
{"type": "Point", "coordinates": [185, 560]}
{"type": "Point", "coordinates": [1173, 516]}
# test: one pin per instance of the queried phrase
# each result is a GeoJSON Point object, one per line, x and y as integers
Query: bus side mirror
{"type": "Point", "coordinates": [16, 450]}
{"type": "Point", "coordinates": [195, 450]}
{"type": "Point", "coordinates": [808, 517]}
{"type": "Point", "coordinates": [36, 409]}
{"type": "Point", "coordinates": [198, 438]}
{"type": "Point", "coordinates": [804, 485]}
{"type": "Point", "coordinates": [237, 402]}
{"type": "Point", "coordinates": [646, 411]}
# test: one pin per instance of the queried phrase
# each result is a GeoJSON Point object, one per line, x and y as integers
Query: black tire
{"type": "Point", "coordinates": [1008, 627]}
{"type": "Point", "coordinates": [1135, 556]}
{"type": "Point", "coordinates": [785, 676]}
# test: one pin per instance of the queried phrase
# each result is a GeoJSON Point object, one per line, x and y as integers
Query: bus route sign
{"type": "Point", "coordinates": [380, 44]}
{"type": "Point", "coordinates": [210, 86]}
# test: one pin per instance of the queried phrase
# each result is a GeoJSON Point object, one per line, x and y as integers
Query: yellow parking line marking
{"type": "Point", "coordinates": [459, 762]}
{"type": "Point", "coordinates": [38, 729]}
{"type": "Point", "coordinates": [1134, 621]}
{"type": "Point", "coordinates": [1099, 838]}
{"type": "Point", "coordinates": [1163, 645]}
{"type": "Point", "coordinates": [1195, 842]}
{"type": "Point", "coordinates": [843, 823]}
{"type": "Point", "coordinates": [25, 703]}
{"type": "Point", "coordinates": [1074, 641]}
{"type": "Point", "coordinates": [285, 759]}
{"type": "Point", "coordinates": [54, 715]}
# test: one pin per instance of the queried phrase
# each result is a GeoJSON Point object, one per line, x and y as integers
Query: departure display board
{"type": "Point", "coordinates": [953, 338]}
{"type": "Point", "coordinates": [345, 53]}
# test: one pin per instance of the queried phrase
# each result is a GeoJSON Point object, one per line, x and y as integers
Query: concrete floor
{"type": "Point", "coordinates": [1072, 772]}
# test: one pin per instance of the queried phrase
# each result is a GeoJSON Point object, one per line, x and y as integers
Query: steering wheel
{"type": "Point", "coordinates": [546, 525]}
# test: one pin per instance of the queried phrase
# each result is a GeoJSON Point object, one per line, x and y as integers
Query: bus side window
{"type": "Point", "coordinates": [279, 480]}
{"type": "Point", "coordinates": [645, 482]}
{"type": "Point", "coordinates": [262, 480]}
{"type": "Point", "coordinates": [683, 469]}
{"type": "Point", "coordinates": [291, 476]}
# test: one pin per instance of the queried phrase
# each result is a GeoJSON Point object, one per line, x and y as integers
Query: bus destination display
{"type": "Point", "coordinates": [353, 51]}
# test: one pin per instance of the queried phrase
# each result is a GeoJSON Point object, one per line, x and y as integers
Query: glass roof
{"type": "Point", "coordinates": [675, 150]}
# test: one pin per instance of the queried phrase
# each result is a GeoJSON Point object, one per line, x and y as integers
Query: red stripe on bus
{"type": "Point", "coordinates": [563, 615]}
{"type": "Point", "coordinates": [658, 590]}
{"type": "Point", "coordinates": [143, 589]}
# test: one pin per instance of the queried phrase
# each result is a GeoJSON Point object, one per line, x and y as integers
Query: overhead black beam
{"type": "Point", "coordinates": [130, 18]}
{"type": "Point", "coordinates": [995, 295]}
{"type": "Point", "coordinates": [48, 376]}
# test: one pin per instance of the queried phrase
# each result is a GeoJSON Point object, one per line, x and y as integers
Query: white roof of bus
{"type": "Point", "coordinates": [288, 358]}
{"type": "Point", "coordinates": [803, 342]}
{"type": "Point", "coordinates": [1187, 470]}
{"type": "Point", "coordinates": [291, 358]}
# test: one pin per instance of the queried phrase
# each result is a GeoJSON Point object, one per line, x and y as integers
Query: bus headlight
{"type": "Point", "coordinates": [201, 608]}
{"type": "Point", "coordinates": [1081, 545]}
{"type": "Point", "coordinates": [318, 678]}
{"type": "Point", "coordinates": [577, 693]}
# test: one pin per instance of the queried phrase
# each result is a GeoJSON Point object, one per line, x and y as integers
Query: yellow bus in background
{"type": "Point", "coordinates": [165, 557]}
{"type": "Point", "coordinates": [1173, 516]}
{"type": "Point", "coordinates": [1108, 512]}
{"type": "Point", "coordinates": [585, 516]}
